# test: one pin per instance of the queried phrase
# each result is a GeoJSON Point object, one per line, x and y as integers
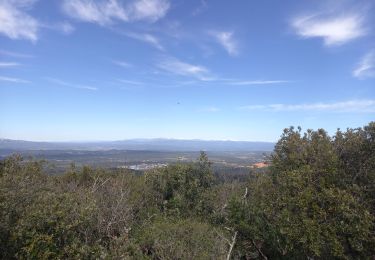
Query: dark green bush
{"type": "Point", "coordinates": [316, 201]}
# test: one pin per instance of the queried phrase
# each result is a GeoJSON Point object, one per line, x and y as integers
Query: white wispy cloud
{"type": "Point", "coordinates": [121, 63]}
{"type": "Point", "coordinates": [202, 6]}
{"type": "Point", "coordinates": [365, 105]}
{"type": "Point", "coordinates": [366, 67]}
{"type": "Point", "coordinates": [100, 12]}
{"type": "Point", "coordinates": [258, 82]}
{"type": "Point", "coordinates": [13, 80]}
{"type": "Point", "coordinates": [210, 109]}
{"type": "Point", "coordinates": [132, 82]}
{"type": "Point", "coordinates": [147, 38]}
{"type": "Point", "coordinates": [71, 85]}
{"type": "Point", "coordinates": [105, 12]}
{"type": "Point", "coordinates": [15, 23]}
{"type": "Point", "coordinates": [65, 27]}
{"type": "Point", "coordinates": [227, 41]}
{"type": "Point", "coordinates": [178, 67]}
{"type": "Point", "coordinates": [333, 29]}
{"type": "Point", "coordinates": [15, 54]}
{"type": "Point", "coordinates": [4, 64]}
{"type": "Point", "coordinates": [129, 84]}
{"type": "Point", "coordinates": [151, 10]}
{"type": "Point", "coordinates": [62, 27]}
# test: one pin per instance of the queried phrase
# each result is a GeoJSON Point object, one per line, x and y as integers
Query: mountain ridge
{"type": "Point", "coordinates": [161, 144]}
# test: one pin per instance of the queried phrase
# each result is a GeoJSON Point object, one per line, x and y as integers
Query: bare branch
{"type": "Point", "coordinates": [259, 251]}
{"type": "Point", "coordinates": [232, 245]}
{"type": "Point", "coordinates": [245, 195]}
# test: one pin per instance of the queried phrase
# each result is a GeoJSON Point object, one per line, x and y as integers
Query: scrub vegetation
{"type": "Point", "coordinates": [316, 200]}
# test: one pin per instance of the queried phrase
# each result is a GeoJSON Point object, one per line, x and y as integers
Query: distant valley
{"type": "Point", "coordinates": [141, 145]}
{"type": "Point", "coordinates": [140, 154]}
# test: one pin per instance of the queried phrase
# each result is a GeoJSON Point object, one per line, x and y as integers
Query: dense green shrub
{"type": "Point", "coordinates": [182, 239]}
{"type": "Point", "coordinates": [315, 201]}
{"type": "Point", "coordinates": [309, 205]}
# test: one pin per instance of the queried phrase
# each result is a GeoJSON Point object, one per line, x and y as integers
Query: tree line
{"type": "Point", "coordinates": [316, 200]}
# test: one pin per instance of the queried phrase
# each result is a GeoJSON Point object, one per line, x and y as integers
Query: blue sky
{"type": "Point", "coordinates": [238, 70]}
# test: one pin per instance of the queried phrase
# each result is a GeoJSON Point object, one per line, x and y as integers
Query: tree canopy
{"type": "Point", "coordinates": [315, 201]}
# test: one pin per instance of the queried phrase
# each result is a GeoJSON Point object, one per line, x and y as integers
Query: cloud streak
{"type": "Point", "coordinates": [13, 80]}
{"type": "Point", "coordinates": [203, 6]}
{"type": "Point", "coordinates": [227, 41]}
{"type": "Point", "coordinates": [258, 82]}
{"type": "Point", "coordinates": [71, 85]}
{"type": "Point", "coordinates": [149, 10]}
{"type": "Point", "coordinates": [210, 109]}
{"type": "Point", "coordinates": [334, 30]}
{"type": "Point", "coordinates": [15, 54]}
{"type": "Point", "coordinates": [132, 82]}
{"type": "Point", "coordinates": [365, 106]}
{"type": "Point", "coordinates": [64, 27]}
{"type": "Point", "coordinates": [123, 64]}
{"type": "Point", "coordinates": [203, 75]}
{"type": "Point", "coordinates": [100, 12]}
{"type": "Point", "coordinates": [15, 23]}
{"type": "Point", "coordinates": [4, 64]}
{"type": "Point", "coordinates": [147, 38]}
{"type": "Point", "coordinates": [366, 67]}
{"type": "Point", "coordinates": [181, 68]}
{"type": "Point", "coordinates": [106, 12]}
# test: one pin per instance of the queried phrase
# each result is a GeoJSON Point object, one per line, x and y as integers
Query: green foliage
{"type": "Point", "coordinates": [316, 201]}
{"type": "Point", "coordinates": [57, 226]}
{"type": "Point", "coordinates": [179, 188]}
{"type": "Point", "coordinates": [19, 184]}
{"type": "Point", "coordinates": [79, 215]}
{"type": "Point", "coordinates": [181, 239]}
{"type": "Point", "coordinates": [356, 150]}
{"type": "Point", "coordinates": [306, 207]}
{"type": "Point", "coordinates": [313, 149]}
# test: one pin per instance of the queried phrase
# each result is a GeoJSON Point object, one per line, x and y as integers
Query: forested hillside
{"type": "Point", "coordinates": [316, 200]}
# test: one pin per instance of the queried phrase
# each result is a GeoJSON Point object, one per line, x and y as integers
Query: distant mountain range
{"type": "Point", "coordinates": [140, 144]}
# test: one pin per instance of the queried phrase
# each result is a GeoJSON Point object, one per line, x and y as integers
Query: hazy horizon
{"type": "Point", "coordinates": [137, 139]}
